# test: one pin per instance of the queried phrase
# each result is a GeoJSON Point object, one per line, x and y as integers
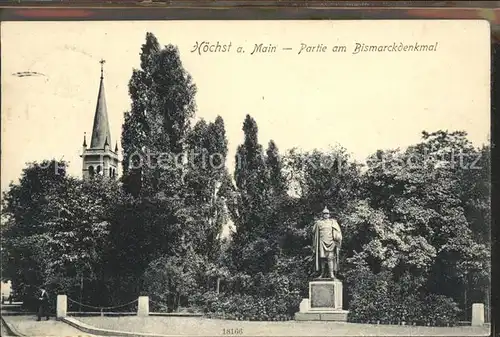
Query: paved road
{"type": "Point", "coordinates": [28, 326]}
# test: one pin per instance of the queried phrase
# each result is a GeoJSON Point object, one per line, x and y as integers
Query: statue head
{"type": "Point", "coordinates": [325, 213]}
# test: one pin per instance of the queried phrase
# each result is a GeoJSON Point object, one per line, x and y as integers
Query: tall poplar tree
{"type": "Point", "coordinates": [152, 223]}
{"type": "Point", "coordinates": [274, 165]}
{"type": "Point", "coordinates": [250, 177]}
{"type": "Point", "coordinates": [254, 245]}
{"type": "Point", "coordinates": [276, 194]}
{"type": "Point", "coordinates": [155, 129]}
{"type": "Point", "coordinates": [135, 129]}
{"type": "Point", "coordinates": [207, 151]}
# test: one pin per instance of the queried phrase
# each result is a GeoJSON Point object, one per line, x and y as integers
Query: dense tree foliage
{"type": "Point", "coordinates": [415, 221]}
{"type": "Point", "coordinates": [57, 230]}
{"type": "Point", "coordinates": [420, 218]}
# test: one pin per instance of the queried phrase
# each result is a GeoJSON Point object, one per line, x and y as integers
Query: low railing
{"type": "Point", "coordinates": [478, 312]}
{"type": "Point", "coordinates": [62, 308]}
{"type": "Point", "coordinates": [101, 310]}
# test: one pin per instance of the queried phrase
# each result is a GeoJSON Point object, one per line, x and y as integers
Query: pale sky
{"type": "Point", "coordinates": [363, 102]}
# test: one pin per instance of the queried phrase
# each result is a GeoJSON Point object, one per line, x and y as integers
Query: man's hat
{"type": "Point", "coordinates": [325, 211]}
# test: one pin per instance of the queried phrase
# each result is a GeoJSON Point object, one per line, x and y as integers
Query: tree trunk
{"type": "Point", "coordinates": [218, 285]}
{"type": "Point", "coordinates": [466, 308]}
{"type": "Point", "coordinates": [81, 292]}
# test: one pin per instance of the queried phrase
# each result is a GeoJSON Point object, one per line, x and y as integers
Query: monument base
{"type": "Point", "coordinates": [337, 315]}
{"type": "Point", "coordinates": [324, 302]}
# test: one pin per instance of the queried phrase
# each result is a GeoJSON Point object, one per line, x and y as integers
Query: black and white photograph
{"type": "Point", "coordinates": [246, 178]}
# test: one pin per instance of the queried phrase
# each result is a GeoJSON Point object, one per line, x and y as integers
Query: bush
{"type": "Point", "coordinates": [370, 296]}
{"type": "Point", "coordinates": [378, 297]}
{"type": "Point", "coordinates": [251, 308]}
{"type": "Point", "coordinates": [442, 309]}
{"type": "Point", "coordinates": [173, 281]}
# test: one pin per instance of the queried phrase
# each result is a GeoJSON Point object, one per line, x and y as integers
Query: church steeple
{"type": "Point", "coordinates": [98, 159]}
{"type": "Point", "coordinates": [102, 61]}
{"type": "Point", "coordinates": [100, 130]}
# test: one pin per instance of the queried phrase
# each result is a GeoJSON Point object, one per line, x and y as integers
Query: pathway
{"type": "Point", "coordinates": [191, 326]}
{"type": "Point", "coordinates": [28, 326]}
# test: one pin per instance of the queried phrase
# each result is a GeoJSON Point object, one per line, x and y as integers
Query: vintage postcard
{"type": "Point", "coordinates": [246, 178]}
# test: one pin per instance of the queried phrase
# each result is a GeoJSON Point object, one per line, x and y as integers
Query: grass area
{"type": "Point", "coordinates": [196, 326]}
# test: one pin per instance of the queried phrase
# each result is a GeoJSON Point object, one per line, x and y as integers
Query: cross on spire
{"type": "Point", "coordinates": [102, 61]}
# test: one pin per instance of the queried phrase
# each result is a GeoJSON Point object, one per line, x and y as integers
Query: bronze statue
{"type": "Point", "coordinates": [326, 244]}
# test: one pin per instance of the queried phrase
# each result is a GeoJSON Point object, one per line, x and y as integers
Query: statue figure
{"type": "Point", "coordinates": [326, 244]}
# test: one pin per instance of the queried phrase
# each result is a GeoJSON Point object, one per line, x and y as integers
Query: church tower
{"type": "Point", "coordinates": [98, 158]}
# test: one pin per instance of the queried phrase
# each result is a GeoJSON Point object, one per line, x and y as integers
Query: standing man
{"type": "Point", "coordinates": [43, 304]}
{"type": "Point", "coordinates": [326, 244]}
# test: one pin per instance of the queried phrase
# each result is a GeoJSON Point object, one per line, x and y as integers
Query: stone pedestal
{"type": "Point", "coordinates": [324, 302]}
{"type": "Point", "coordinates": [143, 306]}
{"type": "Point", "coordinates": [61, 306]}
{"type": "Point", "coordinates": [477, 314]}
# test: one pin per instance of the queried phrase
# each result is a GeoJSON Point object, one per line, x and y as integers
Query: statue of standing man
{"type": "Point", "coordinates": [326, 244]}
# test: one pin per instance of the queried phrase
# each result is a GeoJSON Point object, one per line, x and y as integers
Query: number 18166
{"type": "Point", "coordinates": [233, 331]}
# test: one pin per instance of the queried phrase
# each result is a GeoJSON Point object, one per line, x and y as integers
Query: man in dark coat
{"type": "Point", "coordinates": [43, 304]}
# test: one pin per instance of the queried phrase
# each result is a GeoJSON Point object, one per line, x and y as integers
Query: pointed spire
{"type": "Point", "coordinates": [102, 68]}
{"type": "Point", "coordinates": [84, 139]}
{"type": "Point", "coordinates": [116, 147]}
{"type": "Point", "coordinates": [100, 131]}
{"type": "Point", "coordinates": [106, 142]}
